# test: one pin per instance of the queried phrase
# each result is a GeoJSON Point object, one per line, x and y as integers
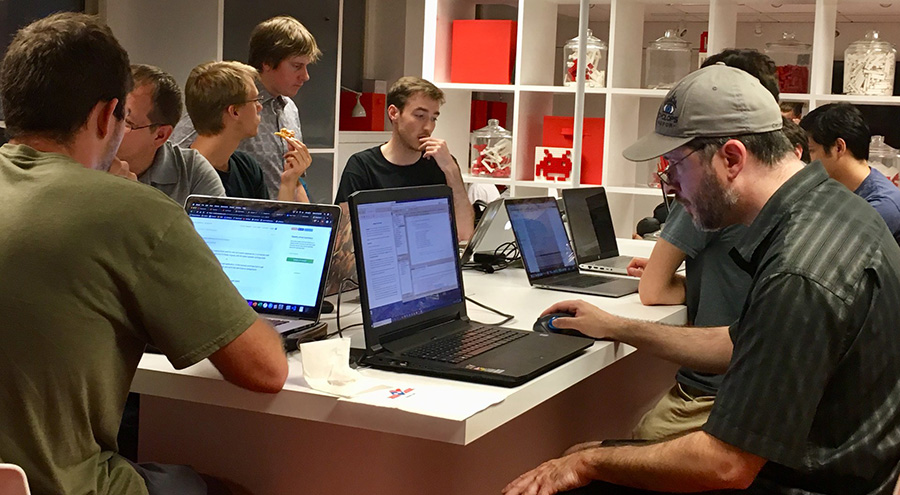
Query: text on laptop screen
{"type": "Point", "coordinates": [409, 256]}
{"type": "Point", "coordinates": [274, 257]}
{"type": "Point", "coordinates": [542, 237]}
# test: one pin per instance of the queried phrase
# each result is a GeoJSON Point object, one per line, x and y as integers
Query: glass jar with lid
{"type": "Point", "coordinates": [595, 63]}
{"type": "Point", "coordinates": [792, 59]}
{"type": "Point", "coordinates": [490, 152]}
{"type": "Point", "coordinates": [869, 66]}
{"type": "Point", "coordinates": [668, 60]}
{"type": "Point", "coordinates": [885, 159]}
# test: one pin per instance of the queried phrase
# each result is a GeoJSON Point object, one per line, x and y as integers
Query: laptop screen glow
{"type": "Point", "coordinates": [273, 255]}
{"type": "Point", "coordinates": [542, 237]}
{"type": "Point", "coordinates": [409, 255]}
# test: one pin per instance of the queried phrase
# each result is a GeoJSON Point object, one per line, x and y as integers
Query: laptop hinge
{"type": "Point", "coordinates": [377, 348]}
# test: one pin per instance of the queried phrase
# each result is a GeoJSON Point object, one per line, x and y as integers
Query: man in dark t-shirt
{"type": "Point", "coordinates": [412, 157]}
{"type": "Point", "coordinates": [224, 104]}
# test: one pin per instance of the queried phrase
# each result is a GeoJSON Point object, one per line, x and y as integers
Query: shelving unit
{"type": "Point", "coordinates": [628, 109]}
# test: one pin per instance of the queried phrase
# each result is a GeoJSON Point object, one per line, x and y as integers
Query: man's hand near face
{"type": "Point", "coordinates": [120, 168]}
{"type": "Point", "coordinates": [437, 150]}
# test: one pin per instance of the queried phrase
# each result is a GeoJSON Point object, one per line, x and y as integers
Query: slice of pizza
{"type": "Point", "coordinates": [284, 133]}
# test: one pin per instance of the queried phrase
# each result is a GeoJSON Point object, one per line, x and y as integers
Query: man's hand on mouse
{"type": "Point", "coordinates": [589, 319]}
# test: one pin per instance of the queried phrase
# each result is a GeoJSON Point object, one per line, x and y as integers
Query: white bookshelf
{"type": "Point", "coordinates": [629, 110]}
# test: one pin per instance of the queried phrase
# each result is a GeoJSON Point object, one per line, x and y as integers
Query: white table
{"type": "Point", "coordinates": [303, 441]}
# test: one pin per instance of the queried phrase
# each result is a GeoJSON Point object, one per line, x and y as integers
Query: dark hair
{"type": "Point", "coordinates": [797, 136]}
{"type": "Point", "coordinates": [278, 38]}
{"type": "Point", "coordinates": [751, 61]}
{"type": "Point", "coordinates": [795, 107]}
{"type": "Point", "coordinates": [768, 147]}
{"type": "Point", "coordinates": [166, 97]}
{"type": "Point", "coordinates": [829, 122]}
{"type": "Point", "coordinates": [55, 72]}
{"type": "Point", "coordinates": [407, 86]}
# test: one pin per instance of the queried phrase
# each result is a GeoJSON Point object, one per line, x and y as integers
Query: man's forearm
{"type": "Point", "coordinates": [706, 349]}
{"type": "Point", "coordinates": [694, 462]}
{"type": "Point", "coordinates": [465, 214]}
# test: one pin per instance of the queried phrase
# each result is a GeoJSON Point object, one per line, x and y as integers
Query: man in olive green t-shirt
{"type": "Point", "coordinates": [94, 267]}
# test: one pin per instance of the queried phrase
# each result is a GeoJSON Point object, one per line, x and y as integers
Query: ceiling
{"type": "Point", "coordinates": [773, 11]}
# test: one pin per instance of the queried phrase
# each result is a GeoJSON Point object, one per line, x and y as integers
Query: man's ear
{"type": "Point", "coordinates": [840, 146]}
{"type": "Point", "coordinates": [393, 112]}
{"type": "Point", "coordinates": [106, 119]}
{"type": "Point", "coordinates": [735, 156]}
{"type": "Point", "coordinates": [163, 133]}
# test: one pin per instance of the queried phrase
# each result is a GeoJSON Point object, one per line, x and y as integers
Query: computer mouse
{"type": "Point", "coordinates": [544, 324]}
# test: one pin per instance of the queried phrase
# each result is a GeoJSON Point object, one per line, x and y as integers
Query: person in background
{"type": "Point", "coordinates": [97, 269]}
{"type": "Point", "coordinates": [281, 50]}
{"type": "Point", "coordinates": [839, 138]}
{"type": "Point", "coordinates": [797, 136]}
{"type": "Point", "coordinates": [154, 108]}
{"type": "Point", "coordinates": [412, 157]}
{"type": "Point", "coordinates": [792, 110]}
{"type": "Point", "coordinates": [224, 105]}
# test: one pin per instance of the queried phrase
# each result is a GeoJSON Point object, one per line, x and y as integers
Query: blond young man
{"type": "Point", "coordinates": [281, 49]}
{"type": "Point", "coordinates": [412, 157]}
{"type": "Point", "coordinates": [224, 104]}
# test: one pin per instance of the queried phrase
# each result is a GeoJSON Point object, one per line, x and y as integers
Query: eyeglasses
{"type": "Point", "coordinates": [664, 175]}
{"type": "Point", "coordinates": [258, 99]}
{"type": "Point", "coordinates": [131, 126]}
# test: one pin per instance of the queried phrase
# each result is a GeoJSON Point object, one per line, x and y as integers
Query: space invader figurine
{"type": "Point", "coordinates": [554, 165]}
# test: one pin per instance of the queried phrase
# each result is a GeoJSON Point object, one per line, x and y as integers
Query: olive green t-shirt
{"type": "Point", "coordinates": [92, 268]}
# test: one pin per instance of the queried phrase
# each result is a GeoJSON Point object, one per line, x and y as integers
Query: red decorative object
{"type": "Point", "coordinates": [483, 110]}
{"type": "Point", "coordinates": [373, 103]}
{"type": "Point", "coordinates": [559, 131]}
{"type": "Point", "coordinates": [552, 164]}
{"type": "Point", "coordinates": [793, 78]}
{"type": "Point", "coordinates": [482, 51]}
{"type": "Point", "coordinates": [485, 168]}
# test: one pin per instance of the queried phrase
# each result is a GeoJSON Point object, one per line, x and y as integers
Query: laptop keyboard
{"type": "Point", "coordinates": [458, 347]}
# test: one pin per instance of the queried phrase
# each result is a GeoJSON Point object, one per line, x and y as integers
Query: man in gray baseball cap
{"type": "Point", "coordinates": [809, 400]}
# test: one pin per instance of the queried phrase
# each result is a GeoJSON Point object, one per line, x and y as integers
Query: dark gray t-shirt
{"type": "Point", "coordinates": [715, 287]}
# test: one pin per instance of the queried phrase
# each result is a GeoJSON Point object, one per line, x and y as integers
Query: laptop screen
{"type": "Point", "coordinates": [275, 253]}
{"type": "Point", "coordinates": [409, 255]}
{"type": "Point", "coordinates": [590, 223]}
{"type": "Point", "coordinates": [541, 236]}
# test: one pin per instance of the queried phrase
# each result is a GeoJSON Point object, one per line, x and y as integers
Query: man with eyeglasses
{"type": "Point", "coordinates": [224, 104]}
{"type": "Point", "coordinates": [154, 107]}
{"type": "Point", "coordinates": [808, 404]}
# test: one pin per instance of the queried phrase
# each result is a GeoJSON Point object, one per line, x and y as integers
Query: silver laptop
{"type": "Point", "coordinates": [492, 232]}
{"type": "Point", "coordinates": [547, 255]}
{"type": "Point", "coordinates": [593, 235]}
{"type": "Point", "coordinates": [275, 253]}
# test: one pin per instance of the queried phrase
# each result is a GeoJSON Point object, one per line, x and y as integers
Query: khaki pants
{"type": "Point", "coordinates": [676, 414]}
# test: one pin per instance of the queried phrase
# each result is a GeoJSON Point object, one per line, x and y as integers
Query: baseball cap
{"type": "Point", "coordinates": [715, 101]}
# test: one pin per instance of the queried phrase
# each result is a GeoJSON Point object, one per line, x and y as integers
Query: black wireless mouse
{"type": "Point", "coordinates": [544, 324]}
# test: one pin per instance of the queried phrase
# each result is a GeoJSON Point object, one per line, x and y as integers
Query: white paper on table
{"type": "Point", "coordinates": [433, 400]}
{"type": "Point", "coordinates": [326, 368]}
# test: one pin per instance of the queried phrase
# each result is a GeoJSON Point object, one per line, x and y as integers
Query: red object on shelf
{"type": "Point", "coordinates": [704, 41]}
{"type": "Point", "coordinates": [483, 110]}
{"type": "Point", "coordinates": [373, 103]}
{"type": "Point", "coordinates": [552, 163]}
{"type": "Point", "coordinates": [793, 78]}
{"type": "Point", "coordinates": [482, 51]}
{"type": "Point", "coordinates": [559, 131]}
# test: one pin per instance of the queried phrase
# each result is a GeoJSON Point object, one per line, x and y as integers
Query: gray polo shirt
{"type": "Point", "coordinates": [180, 172]}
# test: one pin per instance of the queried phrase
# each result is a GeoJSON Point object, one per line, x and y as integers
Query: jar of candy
{"type": "Point", "coordinates": [869, 66]}
{"type": "Point", "coordinates": [668, 60]}
{"type": "Point", "coordinates": [490, 153]}
{"type": "Point", "coordinates": [595, 66]}
{"type": "Point", "coordinates": [885, 159]}
{"type": "Point", "coordinates": [792, 59]}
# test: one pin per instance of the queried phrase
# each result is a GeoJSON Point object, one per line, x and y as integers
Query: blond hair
{"type": "Point", "coordinates": [407, 86]}
{"type": "Point", "coordinates": [278, 38]}
{"type": "Point", "coordinates": [211, 88]}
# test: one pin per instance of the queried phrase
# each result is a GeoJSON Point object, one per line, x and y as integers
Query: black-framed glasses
{"type": "Point", "coordinates": [664, 175]}
{"type": "Point", "coordinates": [258, 99]}
{"type": "Point", "coordinates": [131, 126]}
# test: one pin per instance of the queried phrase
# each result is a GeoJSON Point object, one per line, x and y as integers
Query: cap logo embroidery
{"type": "Point", "coordinates": [666, 116]}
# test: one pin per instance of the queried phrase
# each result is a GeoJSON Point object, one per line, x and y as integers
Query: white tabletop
{"type": "Point", "coordinates": [507, 290]}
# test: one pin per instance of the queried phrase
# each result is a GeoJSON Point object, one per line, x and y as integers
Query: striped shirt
{"type": "Point", "coordinates": [814, 380]}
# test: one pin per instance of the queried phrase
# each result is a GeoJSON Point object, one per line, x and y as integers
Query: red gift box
{"type": "Point", "coordinates": [373, 103]}
{"type": "Point", "coordinates": [483, 110]}
{"type": "Point", "coordinates": [482, 51]}
{"type": "Point", "coordinates": [559, 132]}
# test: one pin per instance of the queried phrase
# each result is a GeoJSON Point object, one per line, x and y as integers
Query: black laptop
{"type": "Point", "coordinates": [548, 256]}
{"type": "Point", "coordinates": [593, 235]}
{"type": "Point", "coordinates": [413, 300]}
{"type": "Point", "coordinates": [276, 253]}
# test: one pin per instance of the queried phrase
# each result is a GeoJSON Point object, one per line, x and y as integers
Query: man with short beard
{"type": "Point", "coordinates": [808, 404]}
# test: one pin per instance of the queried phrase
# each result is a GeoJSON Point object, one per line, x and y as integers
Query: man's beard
{"type": "Point", "coordinates": [112, 146]}
{"type": "Point", "coordinates": [712, 203]}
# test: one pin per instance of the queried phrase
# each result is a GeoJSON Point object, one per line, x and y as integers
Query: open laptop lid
{"type": "Point", "coordinates": [590, 223]}
{"type": "Point", "coordinates": [493, 212]}
{"type": "Point", "coordinates": [406, 259]}
{"type": "Point", "coordinates": [541, 236]}
{"type": "Point", "coordinates": [276, 253]}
